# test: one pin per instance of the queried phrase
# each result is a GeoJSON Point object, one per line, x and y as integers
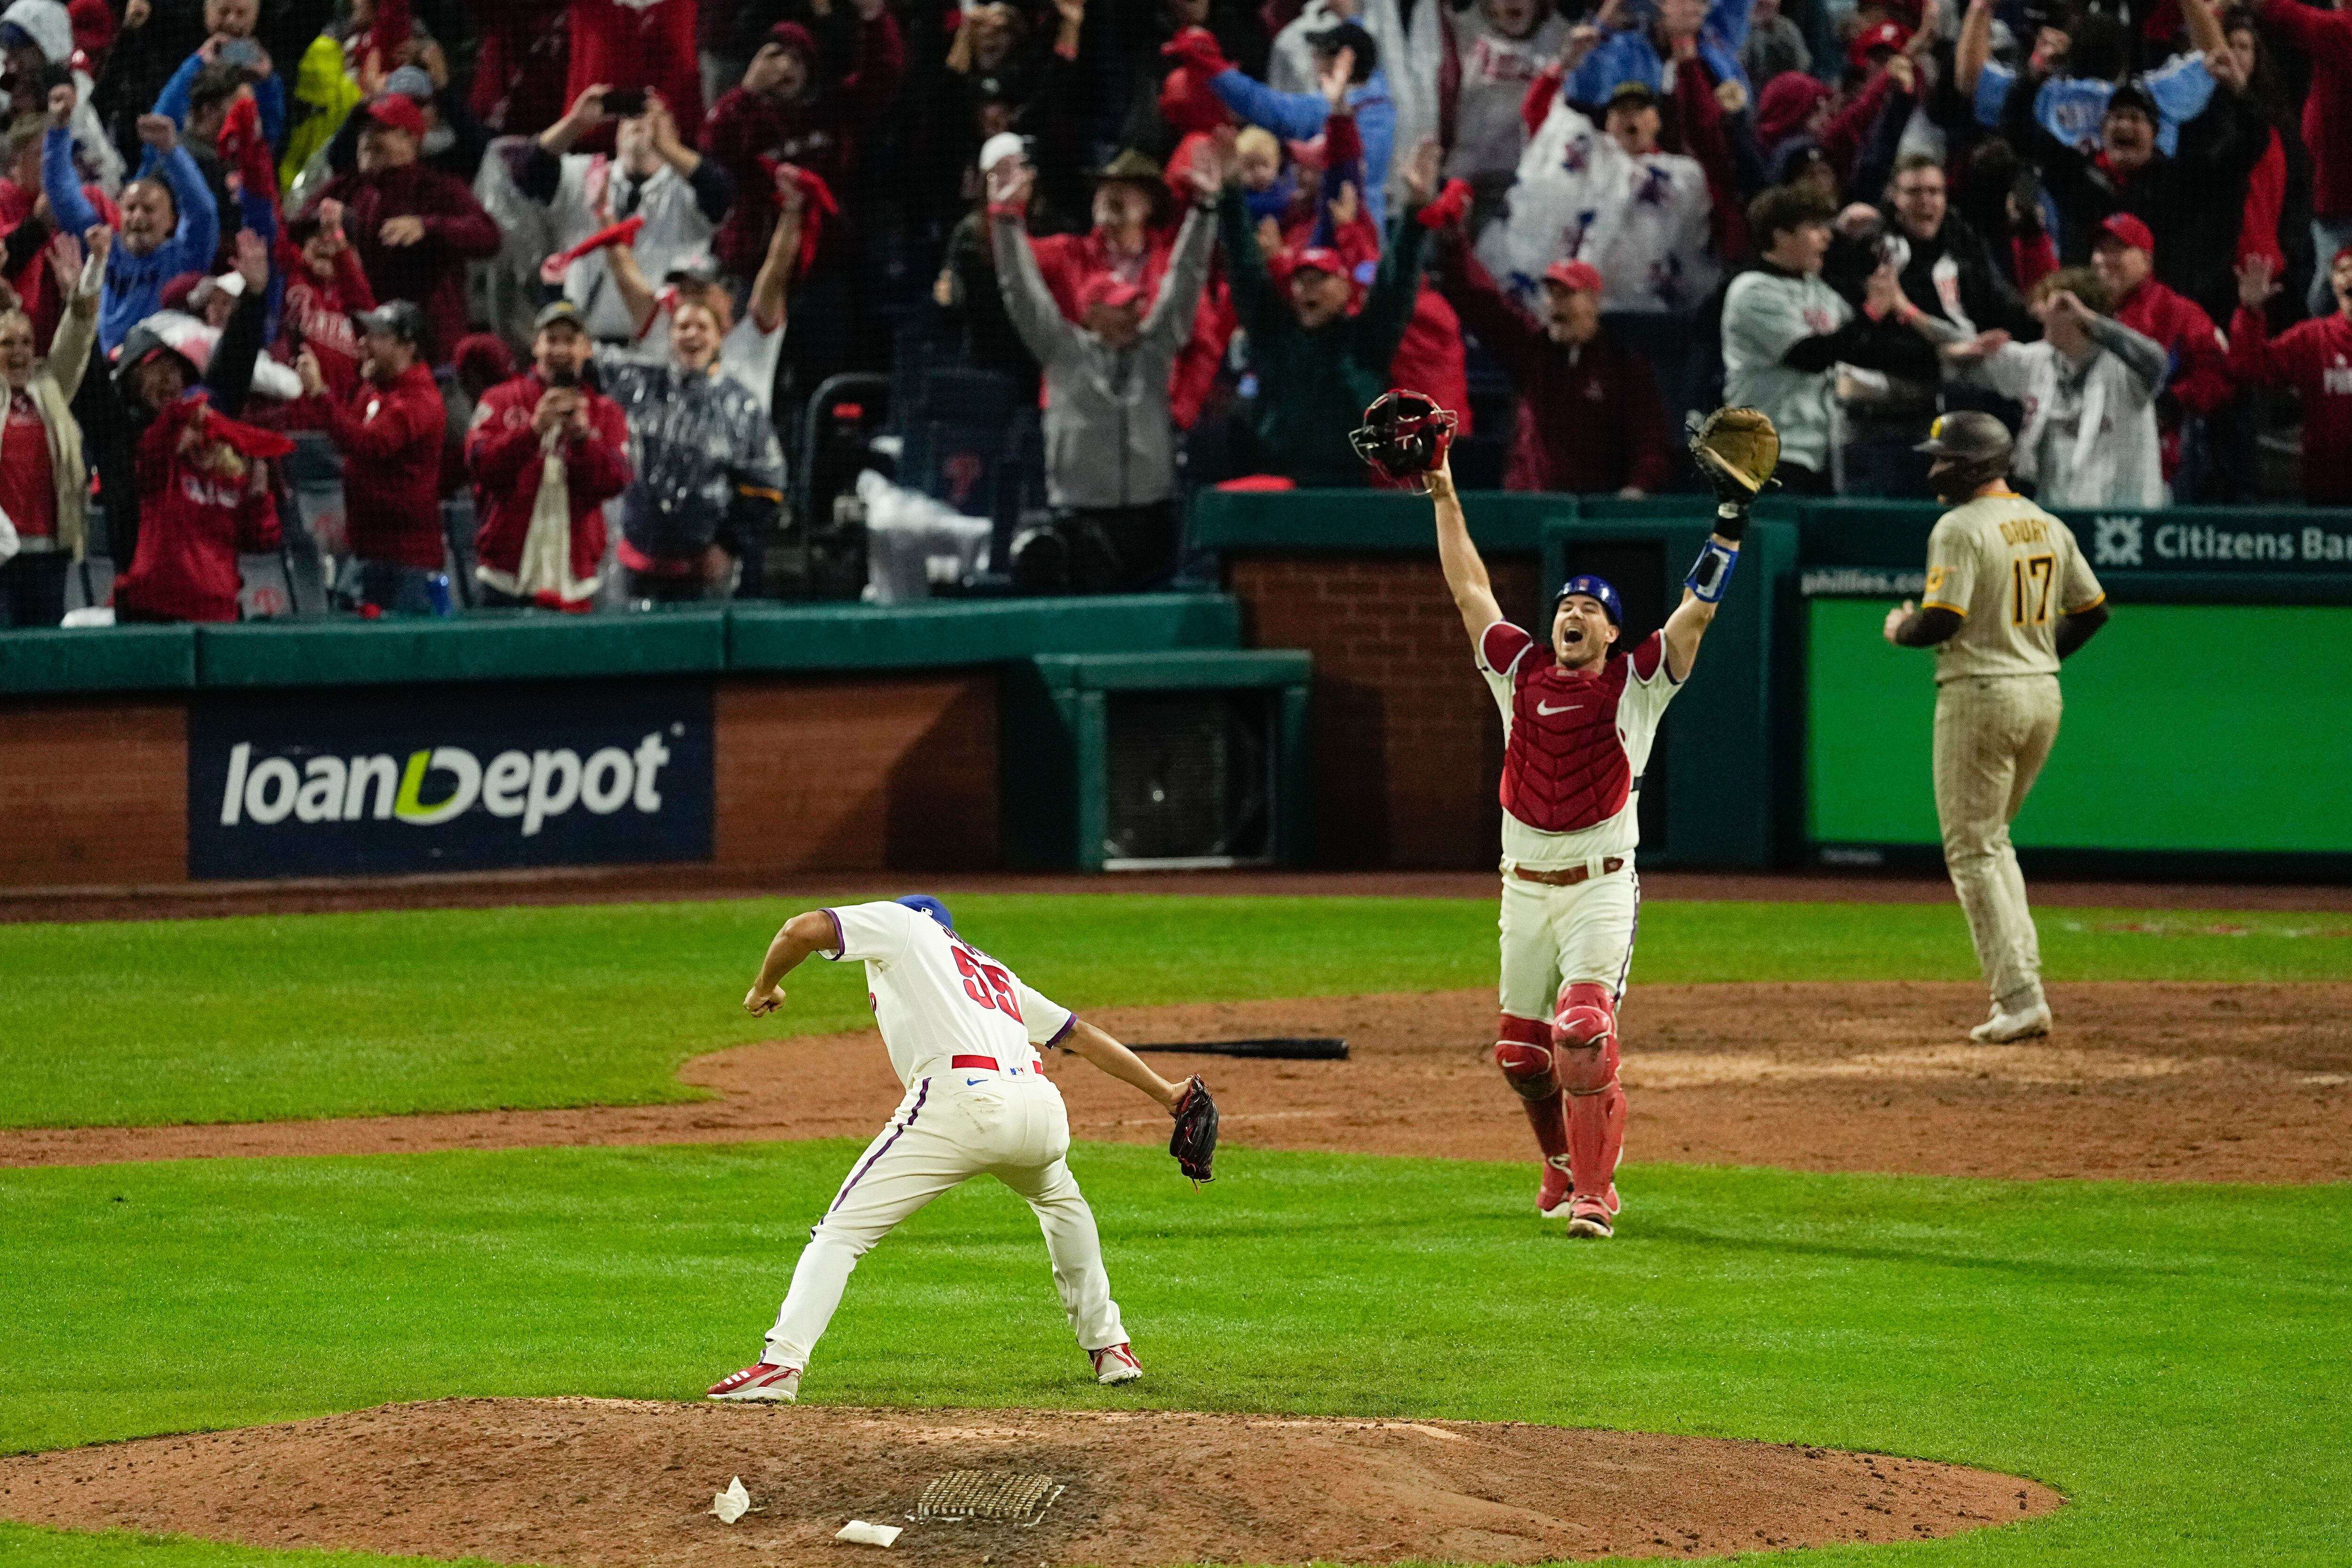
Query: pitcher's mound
{"type": "Point", "coordinates": [592, 1481]}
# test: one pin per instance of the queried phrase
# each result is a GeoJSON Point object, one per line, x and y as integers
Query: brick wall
{"type": "Point", "coordinates": [857, 773]}
{"type": "Point", "coordinates": [93, 792]}
{"type": "Point", "coordinates": [847, 773]}
{"type": "Point", "coordinates": [1407, 744]}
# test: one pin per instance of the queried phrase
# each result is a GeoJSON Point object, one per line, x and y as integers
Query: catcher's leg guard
{"type": "Point", "coordinates": [1584, 1031]}
{"type": "Point", "coordinates": [1523, 1050]}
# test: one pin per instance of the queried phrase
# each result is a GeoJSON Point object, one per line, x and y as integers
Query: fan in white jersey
{"type": "Point", "coordinates": [963, 1032]}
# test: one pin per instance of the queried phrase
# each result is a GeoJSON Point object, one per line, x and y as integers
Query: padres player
{"type": "Point", "coordinates": [2008, 596]}
{"type": "Point", "coordinates": [1579, 718]}
{"type": "Point", "coordinates": [963, 1034]}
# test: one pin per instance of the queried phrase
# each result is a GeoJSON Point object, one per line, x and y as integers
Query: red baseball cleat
{"type": "Point", "coordinates": [1115, 1364]}
{"type": "Point", "coordinates": [765, 1381]}
{"type": "Point", "coordinates": [1589, 1219]}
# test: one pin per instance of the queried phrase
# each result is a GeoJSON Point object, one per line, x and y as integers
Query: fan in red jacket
{"type": "Point", "coordinates": [543, 425]}
{"type": "Point", "coordinates": [204, 499]}
{"type": "Point", "coordinates": [1590, 417]}
{"type": "Point", "coordinates": [2197, 376]}
{"type": "Point", "coordinates": [2314, 357]}
{"type": "Point", "coordinates": [415, 228]}
{"type": "Point", "coordinates": [786, 111]}
{"type": "Point", "coordinates": [389, 429]}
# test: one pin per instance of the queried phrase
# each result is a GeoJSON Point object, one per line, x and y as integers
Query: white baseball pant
{"type": "Point", "coordinates": [1554, 937]}
{"type": "Point", "coordinates": [945, 1132]}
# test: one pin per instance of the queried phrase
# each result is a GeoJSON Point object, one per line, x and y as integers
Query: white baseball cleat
{"type": "Point", "coordinates": [2003, 1027]}
{"type": "Point", "coordinates": [765, 1383]}
{"type": "Point", "coordinates": [1551, 1199]}
{"type": "Point", "coordinates": [1115, 1364]}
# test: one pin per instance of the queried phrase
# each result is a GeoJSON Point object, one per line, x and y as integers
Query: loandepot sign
{"type": "Point", "coordinates": [448, 779]}
{"type": "Point", "coordinates": [529, 785]}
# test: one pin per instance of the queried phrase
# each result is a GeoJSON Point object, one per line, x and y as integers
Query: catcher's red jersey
{"type": "Point", "coordinates": [1574, 742]}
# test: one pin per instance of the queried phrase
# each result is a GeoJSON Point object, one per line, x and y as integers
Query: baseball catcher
{"type": "Point", "coordinates": [1580, 715]}
{"type": "Point", "coordinates": [963, 1032]}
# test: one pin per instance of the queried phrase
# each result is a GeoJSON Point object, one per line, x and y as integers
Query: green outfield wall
{"type": "Point", "coordinates": [2189, 727]}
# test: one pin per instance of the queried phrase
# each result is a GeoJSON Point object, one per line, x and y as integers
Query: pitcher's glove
{"type": "Point", "coordinates": [1737, 449]}
{"type": "Point", "coordinates": [1194, 1144]}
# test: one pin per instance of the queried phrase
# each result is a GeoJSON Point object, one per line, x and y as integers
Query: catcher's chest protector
{"type": "Point", "coordinates": [1564, 767]}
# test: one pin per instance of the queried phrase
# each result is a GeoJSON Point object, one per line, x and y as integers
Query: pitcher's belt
{"type": "Point", "coordinates": [1568, 879]}
{"type": "Point", "coordinates": [985, 1063]}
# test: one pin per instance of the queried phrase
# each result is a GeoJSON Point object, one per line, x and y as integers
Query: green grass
{"type": "Point", "coordinates": [265, 1017]}
{"type": "Point", "coordinates": [2172, 1358]}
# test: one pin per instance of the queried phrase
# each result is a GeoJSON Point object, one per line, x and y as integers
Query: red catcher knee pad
{"type": "Point", "coordinates": [1584, 1034]}
{"type": "Point", "coordinates": [1523, 1050]}
{"type": "Point", "coordinates": [1587, 1017]}
{"type": "Point", "coordinates": [1524, 1053]}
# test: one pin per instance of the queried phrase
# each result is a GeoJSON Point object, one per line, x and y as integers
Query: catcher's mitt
{"type": "Point", "coordinates": [1404, 434]}
{"type": "Point", "coordinates": [1737, 449]}
{"type": "Point", "coordinates": [1194, 1144]}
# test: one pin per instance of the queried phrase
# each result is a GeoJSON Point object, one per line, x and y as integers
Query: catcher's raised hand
{"type": "Point", "coordinates": [1737, 449]}
{"type": "Point", "coordinates": [1193, 1144]}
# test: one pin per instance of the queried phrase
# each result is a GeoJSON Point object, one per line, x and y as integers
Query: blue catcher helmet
{"type": "Point", "coordinates": [1595, 588]}
{"type": "Point", "coordinates": [924, 904]}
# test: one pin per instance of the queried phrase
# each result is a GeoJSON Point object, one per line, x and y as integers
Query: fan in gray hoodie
{"type": "Point", "coordinates": [1110, 459]}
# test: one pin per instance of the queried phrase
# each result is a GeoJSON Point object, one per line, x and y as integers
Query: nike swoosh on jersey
{"type": "Point", "coordinates": [1547, 711]}
{"type": "Point", "coordinates": [968, 1082]}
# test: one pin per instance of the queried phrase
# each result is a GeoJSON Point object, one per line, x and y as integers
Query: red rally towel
{"type": "Point", "coordinates": [244, 440]}
{"type": "Point", "coordinates": [817, 202]}
{"type": "Point", "coordinates": [625, 232]}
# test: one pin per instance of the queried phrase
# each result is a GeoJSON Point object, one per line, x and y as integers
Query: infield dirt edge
{"type": "Point", "coordinates": [597, 1483]}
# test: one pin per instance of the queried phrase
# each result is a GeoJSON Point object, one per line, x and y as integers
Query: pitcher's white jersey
{"type": "Point", "coordinates": [936, 997]}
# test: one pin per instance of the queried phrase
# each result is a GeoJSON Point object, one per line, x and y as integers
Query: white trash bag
{"type": "Point", "coordinates": [913, 542]}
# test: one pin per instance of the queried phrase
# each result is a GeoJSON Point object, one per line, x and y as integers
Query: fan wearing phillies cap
{"type": "Point", "coordinates": [1317, 366]}
{"type": "Point", "coordinates": [1590, 418]}
{"type": "Point", "coordinates": [2315, 358]}
{"type": "Point", "coordinates": [414, 227]}
{"type": "Point", "coordinates": [1110, 470]}
{"type": "Point", "coordinates": [2197, 374]}
{"type": "Point", "coordinates": [787, 108]}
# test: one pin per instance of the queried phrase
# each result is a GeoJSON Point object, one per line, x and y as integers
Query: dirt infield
{"type": "Point", "coordinates": [585, 1482]}
{"type": "Point", "coordinates": [2148, 1082]}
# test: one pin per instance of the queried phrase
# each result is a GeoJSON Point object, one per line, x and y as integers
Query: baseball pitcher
{"type": "Point", "coordinates": [963, 1032]}
{"type": "Point", "coordinates": [2008, 596]}
{"type": "Point", "coordinates": [1579, 718]}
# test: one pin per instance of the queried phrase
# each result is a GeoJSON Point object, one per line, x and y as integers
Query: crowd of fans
{"type": "Point", "coordinates": [492, 278]}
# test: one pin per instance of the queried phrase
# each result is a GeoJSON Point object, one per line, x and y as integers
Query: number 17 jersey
{"type": "Point", "coordinates": [2009, 571]}
{"type": "Point", "coordinates": [936, 997]}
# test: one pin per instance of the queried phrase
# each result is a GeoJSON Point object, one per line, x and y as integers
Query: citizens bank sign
{"type": "Point", "coordinates": [448, 779]}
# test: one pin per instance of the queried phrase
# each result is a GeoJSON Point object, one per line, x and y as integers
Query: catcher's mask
{"type": "Point", "coordinates": [1404, 434]}
{"type": "Point", "coordinates": [1971, 449]}
{"type": "Point", "coordinates": [1592, 587]}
